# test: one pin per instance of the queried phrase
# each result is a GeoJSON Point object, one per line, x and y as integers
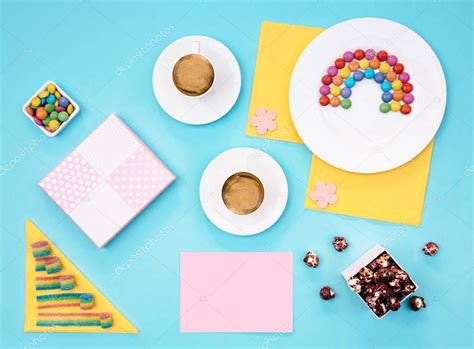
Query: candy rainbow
{"type": "Point", "coordinates": [378, 66]}
{"type": "Point", "coordinates": [63, 282]}
{"type": "Point", "coordinates": [103, 320]}
{"type": "Point", "coordinates": [61, 300]}
{"type": "Point", "coordinates": [40, 249]}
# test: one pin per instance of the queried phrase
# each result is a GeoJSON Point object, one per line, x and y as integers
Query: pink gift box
{"type": "Point", "coordinates": [107, 180]}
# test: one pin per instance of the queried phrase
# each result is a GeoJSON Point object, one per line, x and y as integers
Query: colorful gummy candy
{"type": "Point", "coordinates": [63, 282]}
{"type": "Point", "coordinates": [52, 265]}
{"type": "Point", "coordinates": [49, 109]}
{"type": "Point", "coordinates": [86, 301]}
{"type": "Point", "coordinates": [40, 249]}
{"type": "Point", "coordinates": [105, 320]}
{"type": "Point", "coordinates": [355, 66]}
{"type": "Point", "coordinates": [66, 282]}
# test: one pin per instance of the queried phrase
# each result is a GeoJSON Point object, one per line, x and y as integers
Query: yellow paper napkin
{"type": "Point", "coordinates": [393, 196]}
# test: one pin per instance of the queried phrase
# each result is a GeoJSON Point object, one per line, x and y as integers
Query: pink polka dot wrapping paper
{"type": "Point", "coordinates": [107, 180]}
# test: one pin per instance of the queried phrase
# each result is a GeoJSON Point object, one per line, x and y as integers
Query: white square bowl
{"type": "Point", "coordinates": [64, 124]}
{"type": "Point", "coordinates": [365, 260]}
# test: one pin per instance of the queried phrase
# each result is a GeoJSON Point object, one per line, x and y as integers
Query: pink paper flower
{"type": "Point", "coordinates": [264, 120]}
{"type": "Point", "coordinates": [324, 194]}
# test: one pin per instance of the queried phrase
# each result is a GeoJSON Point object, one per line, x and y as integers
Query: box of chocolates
{"type": "Point", "coordinates": [381, 283]}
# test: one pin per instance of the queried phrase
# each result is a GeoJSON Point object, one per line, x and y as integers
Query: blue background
{"type": "Point", "coordinates": [80, 44]}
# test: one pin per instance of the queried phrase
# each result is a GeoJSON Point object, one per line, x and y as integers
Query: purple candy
{"type": "Point", "coordinates": [346, 92]}
{"type": "Point", "coordinates": [38, 121]}
{"type": "Point", "coordinates": [348, 56]}
{"type": "Point", "coordinates": [324, 90]}
{"type": "Point", "coordinates": [392, 60]}
{"type": "Point", "coordinates": [332, 71]}
{"type": "Point", "coordinates": [58, 109]}
{"type": "Point", "coordinates": [369, 54]}
{"type": "Point", "coordinates": [404, 77]}
{"type": "Point", "coordinates": [408, 98]}
{"type": "Point", "coordinates": [63, 102]}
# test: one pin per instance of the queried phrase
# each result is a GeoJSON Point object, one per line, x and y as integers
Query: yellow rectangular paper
{"type": "Point", "coordinates": [394, 196]}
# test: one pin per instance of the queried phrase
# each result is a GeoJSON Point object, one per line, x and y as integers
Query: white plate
{"type": "Point", "coordinates": [362, 139]}
{"type": "Point", "coordinates": [197, 110]}
{"type": "Point", "coordinates": [261, 165]}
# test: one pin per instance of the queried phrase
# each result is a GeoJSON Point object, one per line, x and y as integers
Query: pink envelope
{"type": "Point", "coordinates": [236, 292]}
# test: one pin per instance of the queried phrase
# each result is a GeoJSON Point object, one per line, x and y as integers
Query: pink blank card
{"type": "Point", "coordinates": [236, 292]}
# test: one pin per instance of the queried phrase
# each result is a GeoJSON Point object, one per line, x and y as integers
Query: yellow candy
{"type": "Point", "coordinates": [43, 94]}
{"type": "Point", "coordinates": [345, 72]}
{"type": "Point", "coordinates": [397, 85]}
{"type": "Point", "coordinates": [335, 91]}
{"type": "Point", "coordinates": [57, 94]}
{"type": "Point", "coordinates": [395, 106]}
{"type": "Point", "coordinates": [70, 109]}
{"type": "Point", "coordinates": [54, 124]}
{"type": "Point", "coordinates": [363, 63]}
{"type": "Point", "coordinates": [56, 103]}
{"type": "Point", "coordinates": [51, 88]}
{"type": "Point", "coordinates": [35, 102]}
{"type": "Point", "coordinates": [384, 67]}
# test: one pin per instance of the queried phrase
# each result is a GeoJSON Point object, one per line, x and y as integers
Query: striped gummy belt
{"type": "Point", "coordinates": [60, 300]}
{"type": "Point", "coordinates": [103, 320]}
{"type": "Point", "coordinates": [63, 282]}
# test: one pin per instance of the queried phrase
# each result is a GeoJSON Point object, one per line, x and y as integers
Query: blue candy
{"type": "Point", "coordinates": [346, 92]}
{"type": "Point", "coordinates": [379, 77]}
{"type": "Point", "coordinates": [42, 101]}
{"type": "Point", "coordinates": [51, 99]}
{"type": "Point", "coordinates": [387, 97]}
{"type": "Point", "coordinates": [63, 102]}
{"type": "Point", "coordinates": [369, 73]}
{"type": "Point", "coordinates": [349, 82]}
{"type": "Point", "coordinates": [386, 86]}
{"type": "Point", "coordinates": [358, 75]}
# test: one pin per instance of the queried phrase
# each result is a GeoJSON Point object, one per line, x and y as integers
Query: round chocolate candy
{"type": "Point", "coordinates": [335, 101]}
{"type": "Point", "coordinates": [358, 75]}
{"type": "Point", "coordinates": [36, 102]}
{"type": "Point", "coordinates": [353, 66]}
{"type": "Point", "coordinates": [386, 86]}
{"type": "Point", "coordinates": [326, 80]}
{"type": "Point", "coordinates": [340, 243]}
{"type": "Point", "coordinates": [335, 91]}
{"type": "Point", "coordinates": [70, 109]}
{"type": "Point", "coordinates": [369, 73]}
{"type": "Point", "coordinates": [41, 113]}
{"type": "Point", "coordinates": [379, 77]}
{"type": "Point", "coordinates": [404, 77]}
{"type": "Point", "coordinates": [384, 107]}
{"type": "Point", "coordinates": [346, 103]}
{"type": "Point", "coordinates": [407, 87]}
{"type": "Point", "coordinates": [49, 108]}
{"type": "Point", "coordinates": [392, 60]}
{"type": "Point", "coordinates": [397, 85]}
{"type": "Point", "coordinates": [311, 259]}
{"type": "Point", "coordinates": [384, 67]}
{"type": "Point", "coordinates": [374, 63]}
{"type": "Point", "coordinates": [382, 55]}
{"type": "Point", "coordinates": [38, 121]}
{"type": "Point", "coordinates": [348, 56]}
{"type": "Point", "coordinates": [51, 88]}
{"type": "Point", "coordinates": [387, 97]}
{"type": "Point", "coordinates": [398, 95]}
{"type": "Point", "coordinates": [63, 116]}
{"type": "Point", "coordinates": [51, 99]}
{"type": "Point", "coordinates": [369, 54]}
{"type": "Point", "coordinates": [46, 121]}
{"type": "Point", "coordinates": [398, 68]}
{"type": "Point", "coordinates": [327, 293]}
{"type": "Point", "coordinates": [53, 125]}
{"type": "Point", "coordinates": [408, 98]}
{"type": "Point", "coordinates": [416, 303]}
{"type": "Point", "coordinates": [359, 54]}
{"type": "Point", "coordinates": [43, 94]}
{"type": "Point", "coordinates": [349, 82]}
{"type": "Point", "coordinates": [364, 63]}
{"type": "Point", "coordinates": [53, 115]}
{"type": "Point", "coordinates": [340, 63]}
{"type": "Point", "coordinates": [430, 248]}
{"type": "Point", "coordinates": [63, 102]}
{"type": "Point", "coordinates": [395, 106]}
{"type": "Point", "coordinates": [346, 92]}
{"type": "Point", "coordinates": [324, 90]}
{"type": "Point", "coordinates": [332, 71]}
{"type": "Point", "coordinates": [30, 111]}
{"type": "Point", "coordinates": [391, 76]}
{"type": "Point", "coordinates": [324, 100]}
{"type": "Point", "coordinates": [345, 73]}
{"type": "Point", "coordinates": [337, 80]}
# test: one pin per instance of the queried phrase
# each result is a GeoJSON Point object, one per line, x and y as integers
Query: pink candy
{"type": "Point", "coordinates": [348, 56]}
{"type": "Point", "coordinates": [324, 90]}
{"type": "Point", "coordinates": [369, 54]}
{"type": "Point", "coordinates": [404, 77]}
{"type": "Point", "coordinates": [408, 98]}
{"type": "Point", "coordinates": [392, 60]}
{"type": "Point", "coordinates": [332, 71]}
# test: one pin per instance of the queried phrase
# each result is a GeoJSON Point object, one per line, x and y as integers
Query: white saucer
{"type": "Point", "coordinates": [197, 110]}
{"type": "Point", "coordinates": [259, 164]}
{"type": "Point", "coordinates": [362, 139]}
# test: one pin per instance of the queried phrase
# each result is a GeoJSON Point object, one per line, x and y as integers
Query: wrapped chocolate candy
{"type": "Point", "coordinates": [311, 259]}
{"type": "Point", "coordinates": [416, 303]}
{"type": "Point", "coordinates": [340, 243]}
{"type": "Point", "coordinates": [327, 293]}
{"type": "Point", "coordinates": [430, 248]}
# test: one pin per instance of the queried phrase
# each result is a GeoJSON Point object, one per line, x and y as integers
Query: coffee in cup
{"type": "Point", "coordinates": [243, 193]}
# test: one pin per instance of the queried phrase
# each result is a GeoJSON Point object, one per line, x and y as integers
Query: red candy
{"type": "Point", "coordinates": [406, 109]}
{"type": "Point", "coordinates": [326, 80]}
{"type": "Point", "coordinates": [398, 68]}
{"type": "Point", "coordinates": [324, 101]}
{"type": "Point", "coordinates": [382, 56]}
{"type": "Point", "coordinates": [340, 63]}
{"type": "Point", "coordinates": [407, 87]}
{"type": "Point", "coordinates": [359, 54]}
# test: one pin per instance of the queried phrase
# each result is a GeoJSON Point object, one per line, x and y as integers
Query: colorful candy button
{"type": "Point", "coordinates": [387, 97]}
{"type": "Point", "coordinates": [53, 125]}
{"type": "Point", "coordinates": [36, 102]}
{"type": "Point", "coordinates": [359, 54]}
{"type": "Point", "coordinates": [51, 88]}
{"type": "Point", "coordinates": [340, 63]}
{"type": "Point", "coordinates": [346, 103]}
{"type": "Point", "coordinates": [335, 101]}
{"type": "Point", "coordinates": [335, 91]}
{"type": "Point", "coordinates": [349, 82]}
{"type": "Point", "coordinates": [348, 56]}
{"type": "Point", "coordinates": [397, 95]}
{"type": "Point", "coordinates": [353, 66]}
{"type": "Point", "coordinates": [345, 73]}
{"type": "Point", "coordinates": [324, 100]}
{"type": "Point", "coordinates": [386, 86]}
{"type": "Point", "coordinates": [364, 63]}
{"type": "Point", "coordinates": [374, 63]}
{"type": "Point", "coordinates": [369, 73]}
{"type": "Point", "coordinates": [379, 77]}
{"type": "Point", "coordinates": [41, 113]}
{"type": "Point", "coordinates": [63, 102]}
{"type": "Point", "coordinates": [63, 116]}
{"type": "Point", "coordinates": [358, 75]}
{"type": "Point", "coordinates": [395, 106]}
{"type": "Point", "coordinates": [369, 54]}
{"type": "Point", "coordinates": [324, 90]}
{"type": "Point", "coordinates": [397, 85]}
{"type": "Point", "coordinates": [43, 94]}
{"type": "Point", "coordinates": [392, 60]}
{"type": "Point", "coordinates": [332, 71]}
{"type": "Point", "coordinates": [346, 92]}
{"type": "Point", "coordinates": [384, 67]}
{"type": "Point", "coordinates": [384, 107]}
{"type": "Point", "coordinates": [407, 87]}
{"type": "Point", "coordinates": [404, 77]}
{"type": "Point", "coordinates": [337, 80]}
{"type": "Point", "coordinates": [405, 109]}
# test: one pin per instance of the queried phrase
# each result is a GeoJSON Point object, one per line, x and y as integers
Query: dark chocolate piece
{"type": "Point", "coordinates": [340, 243]}
{"type": "Point", "coordinates": [311, 259]}
{"type": "Point", "coordinates": [416, 303]}
{"type": "Point", "coordinates": [327, 293]}
{"type": "Point", "coordinates": [430, 248]}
